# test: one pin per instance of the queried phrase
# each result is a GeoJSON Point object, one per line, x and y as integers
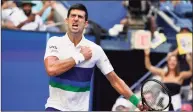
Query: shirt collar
{"type": "Point", "coordinates": [81, 43]}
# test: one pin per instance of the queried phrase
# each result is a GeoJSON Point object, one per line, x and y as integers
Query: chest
{"type": "Point", "coordinates": [172, 79]}
{"type": "Point", "coordinates": [67, 51]}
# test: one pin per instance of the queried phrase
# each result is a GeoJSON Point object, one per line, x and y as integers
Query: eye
{"type": "Point", "coordinates": [73, 15]}
{"type": "Point", "coordinates": [79, 16]}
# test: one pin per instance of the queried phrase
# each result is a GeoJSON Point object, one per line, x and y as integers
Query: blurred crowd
{"type": "Point", "coordinates": [29, 15]}
{"type": "Point", "coordinates": [140, 14]}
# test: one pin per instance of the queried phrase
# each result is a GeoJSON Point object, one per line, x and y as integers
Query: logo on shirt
{"type": "Point", "coordinates": [106, 60]}
{"type": "Point", "coordinates": [53, 47]}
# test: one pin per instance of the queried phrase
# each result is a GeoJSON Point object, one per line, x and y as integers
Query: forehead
{"type": "Point", "coordinates": [172, 58]}
{"type": "Point", "coordinates": [77, 12]}
{"type": "Point", "coordinates": [26, 5]}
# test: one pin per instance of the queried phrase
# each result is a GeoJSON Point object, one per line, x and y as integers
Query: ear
{"type": "Point", "coordinates": [66, 21]}
{"type": "Point", "coordinates": [86, 24]}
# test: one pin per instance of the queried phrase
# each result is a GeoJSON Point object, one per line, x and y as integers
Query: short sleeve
{"type": "Point", "coordinates": [103, 63]}
{"type": "Point", "coordinates": [52, 47]}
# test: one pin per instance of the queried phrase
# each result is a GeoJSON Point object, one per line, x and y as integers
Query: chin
{"type": "Point", "coordinates": [75, 32]}
{"type": "Point", "coordinates": [72, 31]}
{"type": "Point", "coordinates": [172, 68]}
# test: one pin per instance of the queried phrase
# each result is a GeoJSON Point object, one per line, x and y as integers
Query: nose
{"type": "Point", "coordinates": [76, 18]}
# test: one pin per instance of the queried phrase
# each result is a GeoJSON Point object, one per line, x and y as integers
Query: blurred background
{"type": "Point", "coordinates": [27, 25]}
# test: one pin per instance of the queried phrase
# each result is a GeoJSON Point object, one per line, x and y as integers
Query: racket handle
{"type": "Point", "coordinates": [134, 100]}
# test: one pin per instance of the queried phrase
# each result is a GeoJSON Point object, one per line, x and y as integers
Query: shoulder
{"type": "Point", "coordinates": [54, 39]}
{"type": "Point", "coordinates": [94, 45]}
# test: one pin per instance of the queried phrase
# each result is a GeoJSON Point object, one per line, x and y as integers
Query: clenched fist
{"type": "Point", "coordinates": [86, 51]}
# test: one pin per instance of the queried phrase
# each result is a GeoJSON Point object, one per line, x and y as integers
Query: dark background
{"type": "Point", "coordinates": [129, 66]}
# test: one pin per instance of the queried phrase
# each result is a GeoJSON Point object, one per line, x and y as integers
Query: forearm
{"type": "Point", "coordinates": [51, 15]}
{"type": "Point", "coordinates": [119, 85]}
{"type": "Point", "coordinates": [122, 89]}
{"type": "Point", "coordinates": [190, 64]}
{"type": "Point", "coordinates": [60, 66]}
{"type": "Point", "coordinates": [41, 11]}
{"type": "Point", "coordinates": [175, 52]}
{"type": "Point", "coordinates": [9, 24]}
{"type": "Point", "coordinates": [147, 62]}
{"type": "Point", "coordinates": [21, 24]}
{"type": "Point", "coordinates": [4, 6]}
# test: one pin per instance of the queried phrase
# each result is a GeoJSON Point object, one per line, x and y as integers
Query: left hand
{"type": "Point", "coordinates": [188, 57]}
{"type": "Point", "coordinates": [53, 4]}
{"type": "Point", "coordinates": [142, 107]}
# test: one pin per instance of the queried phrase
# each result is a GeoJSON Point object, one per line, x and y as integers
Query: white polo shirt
{"type": "Point", "coordinates": [70, 91]}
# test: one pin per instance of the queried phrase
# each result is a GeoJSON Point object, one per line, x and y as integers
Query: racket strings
{"type": "Point", "coordinates": [155, 95]}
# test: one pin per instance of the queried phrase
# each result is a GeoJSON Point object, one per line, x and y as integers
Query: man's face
{"type": "Point", "coordinates": [76, 21]}
{"type": "Point", "coordinates": [27, 9]}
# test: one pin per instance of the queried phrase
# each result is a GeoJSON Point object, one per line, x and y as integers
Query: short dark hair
{"type": "Point", "coordinates": [78, 6]}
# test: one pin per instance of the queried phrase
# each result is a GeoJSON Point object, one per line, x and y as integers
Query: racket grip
{"type": "Point", "coordinates": [134, 100]}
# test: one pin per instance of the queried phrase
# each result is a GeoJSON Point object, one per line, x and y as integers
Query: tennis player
{"type": "Point", "coordinates": [69, 61]}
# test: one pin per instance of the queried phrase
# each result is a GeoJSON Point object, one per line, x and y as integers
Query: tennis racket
{"type": "Point", "coordinates": [155, 95]}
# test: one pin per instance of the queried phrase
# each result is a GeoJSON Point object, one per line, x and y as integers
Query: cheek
{"type": "Point", "coordinates": [169, 63]}
{"type": "Point", "coordinates": [82, 24]}
{"type": "Point", "coordinates": [174, 62]}
{"type": "Point", "coordinates": [69, 23]}
{"type": "Point", "coordinates": [27, 8]}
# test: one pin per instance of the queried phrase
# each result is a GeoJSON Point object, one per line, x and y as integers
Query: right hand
{"type": "Point", "coordinates": [86, 51]}
{"type": "Point", "coordinates": [5, 5]}
{"type": "Point", "coordinates": [31, 18]}
{"type": "Point", "coordinates": [147, 52]}
{"type": "Point", "coordinates": [53, 4]}
{"type": "Point", "coordinates": [142, 107]}
{"type": "Point", "coordinates": [47, 4]}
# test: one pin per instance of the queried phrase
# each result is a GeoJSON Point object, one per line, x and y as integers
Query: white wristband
{"type": "Point", "coordinates": [79, 58]}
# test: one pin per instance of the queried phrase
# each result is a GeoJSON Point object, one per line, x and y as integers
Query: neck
{"type": "Point", "coordinates": [172, 72]}
{"type": "Point", "coordinates": [74, 38]}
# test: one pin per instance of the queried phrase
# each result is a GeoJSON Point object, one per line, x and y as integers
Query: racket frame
{"type": "Point", "coordinates": [163, 86]}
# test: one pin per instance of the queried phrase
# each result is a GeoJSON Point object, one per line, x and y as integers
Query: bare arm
{"type": "Point", "coordinates": [8, 4]}
{"type": "Point", "coordinates": [175, 52]}
{"type": "Point", "coordinates": [119, 85]}
{"type": "Point", "coordinates": [122, 88]}
{"type": "Point", "coordinates": [51, 15]}
{"type": "Point", "coordinates": [29, 19]}
{"type": "Point", "coordinates": [55, 67]}
{"type": "Point", "coordinates": [187, 74]}
{"type": "Point", "coordinates": [46, 5]}
{"type": "Point", "coordinates": [21, 24]}
{"type": "Point", "coordinates": [148, 65]}
{"type": "Point", "coordinates": [4, 5]}
{"type": "Point", "coordinates": [9, 24]}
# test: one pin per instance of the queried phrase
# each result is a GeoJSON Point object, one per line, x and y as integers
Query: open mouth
{"type": "Point", "coordinates": [75, 26]}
